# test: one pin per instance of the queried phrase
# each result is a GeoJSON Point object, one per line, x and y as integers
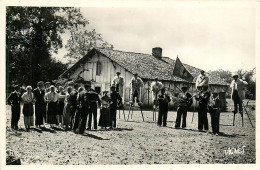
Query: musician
{"type": "Point", "coordinates": [214, 110]}
{"type": "Point", "coordinates": [184, 102]}
{"type": "Point", "coordinates": [155, 89]}
{"type": "Point", "coordinates": [163, 100]}
{"type": "Point", "coordinates": [203, 98]}
{"type": "Point", "coordinates": [202, 80]}
{"type": "Point", "coordinates": [118, 82]}
{"type": "Point", "coordinates": [136, 85]}
{"type": "Point", "coordinates": [238, 87]}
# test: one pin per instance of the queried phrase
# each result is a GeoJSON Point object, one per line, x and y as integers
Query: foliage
{"type": "Point", "coordinates": [81, 42]}
{"type": "Point", "coordinates": [225, 75]}
{"type": "Point", "coordinates": [32, 34]}
{"type": "Point", "coordinates": [248, 76]}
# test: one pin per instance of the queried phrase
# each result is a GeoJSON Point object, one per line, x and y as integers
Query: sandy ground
{"type": "Point", "coordinates": [138, 142]}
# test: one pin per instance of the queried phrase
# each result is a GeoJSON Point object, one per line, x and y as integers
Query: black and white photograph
{"type": "Point", "coordinates": [129, 83]}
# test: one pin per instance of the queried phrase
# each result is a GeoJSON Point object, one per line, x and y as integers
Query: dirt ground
{"type": "Point", "coordinates": [138, 142]}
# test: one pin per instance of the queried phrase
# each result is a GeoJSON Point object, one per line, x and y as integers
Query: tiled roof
{"type": "Point", "coordinates": [148, 66]}
{"type": "Point", "coordinates": [213, 79]}
{"type": "Point", "coordinates": [145, 65]}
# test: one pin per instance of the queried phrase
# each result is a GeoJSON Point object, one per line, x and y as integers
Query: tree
{"type": "Point", "coordinates": [223, 74]}
{"type": "Point", "coordinates": [32, 33]}
{"type": "Point", "coordinates": [248, 77]}
{"type": "Point", "coordinates": [81, 42]}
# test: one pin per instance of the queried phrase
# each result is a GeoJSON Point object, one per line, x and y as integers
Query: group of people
{"type": "Point", "coordinates": [72, 106]}
{"type": "Point", "coordinates": [207, 102]}
{"type": "Point", "coordinates": [69, 108]}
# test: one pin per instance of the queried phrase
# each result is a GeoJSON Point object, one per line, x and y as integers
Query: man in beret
{"type": "Point", "coordinates": [74, 104]}
{"type": "Point", "coordinates": [202, 80]}
{"type": "Point", "coordinates": [93, 102]}
{"type": "Point", "coordinates": [136, 85]}
{"type": "Point", "coordinates": [238, 87]}
{"type": "Point", "coordinates": [184, 102]}
{"type": "Point", "coordinates": [14, 99]}
{"type": "Point", "coordinates": [203, 97]}
{"type": "Point", "coordinates": [40, 104]}
{"type": "Point", "coordinates": [83, 109]}
{"type": "Point", "coordinates": [214, 110]}
{"type": "Point", "coordinates": [163, 102]}
{"type": "Point", "coordinates": [47, 87]}
{"type": "Point", "coordinates": [156, 86]}
{"type": "Point", "coordinates": [115, 101]}
{"type": "Point", "coordinates": [118, 82]}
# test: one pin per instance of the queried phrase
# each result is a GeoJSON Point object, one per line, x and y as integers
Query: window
{"type": "Point", "coordinates": [99, 68]}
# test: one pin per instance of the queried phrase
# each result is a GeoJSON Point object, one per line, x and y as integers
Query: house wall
{"type": "Point", "coordinates": [108, 72]}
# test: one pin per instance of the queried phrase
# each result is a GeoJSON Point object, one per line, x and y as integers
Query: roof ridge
{"type": "Point", "coordinates": [126, 51]}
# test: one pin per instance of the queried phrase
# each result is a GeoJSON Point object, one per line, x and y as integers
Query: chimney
{"type": "Point", "coordinates": [157, 52]}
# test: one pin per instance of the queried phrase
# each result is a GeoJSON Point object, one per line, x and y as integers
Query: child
{"type": "Point", "coordinates": [214, 109]}
{"type": "Point", "coordinates": [163, 100]}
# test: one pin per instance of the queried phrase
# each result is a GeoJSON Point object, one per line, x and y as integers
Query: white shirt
{"type": "Point", "coordinates": [53, 96]}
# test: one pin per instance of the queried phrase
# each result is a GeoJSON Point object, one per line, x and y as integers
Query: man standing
{"type": "Point", "coordinates": [14, 99]}
{"type": "Point", "coordinates": [214, 110]}
{"type": "Point", "coordinates": [93, 101]}
{"type": "Point", "coordinates": [118, 82]}
{"type": "Point", "coordinates": [73, 102]}
{"type": "Point", "coordinates": [155, 89]}
{"type": "Point", "coordinates": [40, 105]}
{"type": "Point", "coordinates": [83, 109]}
{"type": "Point", "coordinates": [136, 85]}
{"type": "Point", "coordinates": [203, 98]}
{"type": "Point", "coordinates": [202, 80]}
{"type": "Point", "coordinates": [184, 102]}
{"type": "Point", "coordinates": [115, 101]}
{"type": "Point", "coordinates": [47, 87]}
{"type": "Point", "coordinates": [238, 87]}
{"type": "Point", "coordinates": [163, 100]}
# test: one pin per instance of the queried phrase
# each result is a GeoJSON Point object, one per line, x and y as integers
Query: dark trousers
{"type": "Point", "coordinates": [40, 112]}
{"type": "Point", "coordinates": [203, 119]}
{"type": "Point", "coordinates": [181, 111]}
{"type": "Point", "coordinates": [215, 114]}
{"type": "Point", "coordinates": [162, 117]}
{"type": "Point", "coordinates": [77, 118]}
{"type": "Point", "coordinates": [136, 95]}
{"type": "Point", "coordinates": [16, 110]}
{"type": "Point", "coordinates": [82, 119]}
{"type": "Point", "coordinates": [113, 116]}
{"type": "Point", "coordinates": [237, 101]}
{"type": "Point", "coordinates": [72, 115]}
{"type": "Point", "coordinates": [92, 111]}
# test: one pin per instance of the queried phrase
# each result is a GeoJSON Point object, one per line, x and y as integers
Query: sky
{"type": "Point", "coordinates": [210, 38]}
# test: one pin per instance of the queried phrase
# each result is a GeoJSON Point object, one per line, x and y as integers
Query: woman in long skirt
{"type": "Point", "coordinates": [66, 111]}
{"type": "Point", "coordinates": [104, 120]}
{"type": "Point", "coordinates": [60, 105]}
{"type": "Point", "coordinates": [28, 100]}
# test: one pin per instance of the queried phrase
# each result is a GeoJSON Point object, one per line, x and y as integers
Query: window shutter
{"type": "Point", "coordinates": [99, 68]}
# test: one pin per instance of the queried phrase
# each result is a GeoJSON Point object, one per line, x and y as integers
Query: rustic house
{"type": "Point", "coordinates": [100, 67]}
